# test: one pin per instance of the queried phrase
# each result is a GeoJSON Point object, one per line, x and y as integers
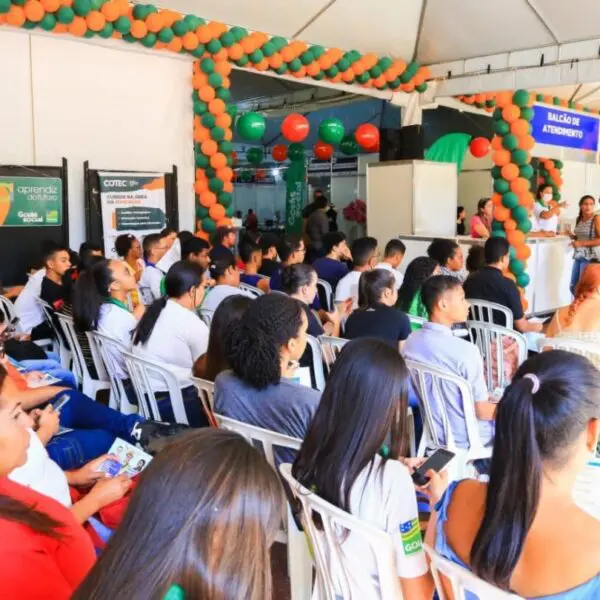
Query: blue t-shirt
{"type": "Point", "coordinates": [250, 279]}
{"type": "Point", "coordinates": [330, 270]}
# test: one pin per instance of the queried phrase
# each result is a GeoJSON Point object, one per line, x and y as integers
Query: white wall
{"type": "Point", "coordinates": [116, 108]}
{"type": "Point", "coordinates": [578, 179]}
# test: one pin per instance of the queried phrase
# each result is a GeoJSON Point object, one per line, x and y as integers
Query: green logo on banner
{"type": "Point", "coordinates": [295, 197]}
{"type": "Point", "coordinates": [410, 534]}
{"type": "Point", "coordinates": [30, 201]}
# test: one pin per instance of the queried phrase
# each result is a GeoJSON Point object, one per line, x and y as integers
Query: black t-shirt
{"type": "Point", "coordinates": [54, 294]}
{"type": "Point", "coordinates": [308, 210]}
{"type": "Point", "coordinates": [269, 267]}
{"type": "Point", "coordinates": [490, 285]}
{"type": "Point", "coordinates": [460, 228]}
{"type": "Point", "coordinates": [382, 322]}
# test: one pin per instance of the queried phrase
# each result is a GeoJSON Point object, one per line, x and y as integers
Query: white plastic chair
{"type": "Point", "coordinates": [89, 386]}
{"type": "Point", "coordinates": [489, 339]}
{"type": "Point", "coordinates": [584, 348]}
{"type": "Point", "coordinates": [59, 342]}
{"type": "Point", "coordinates": [333, 576]}
{"type": "Point", "coordinates": [317, 361]}
{"type": "Point", "coordinates": [206, 314]}
{"type": "Point", "coordinates": [206, 393]}
{"type": "Point", "coordinates": [145, 375]}
{"type": "Point", "coordinates": [299, 561]}
{"type": "Point", "coordinates": [8, 310]}
{"type": "Point", "coordinates": [440, 435]}
{"type": "Point", "coordinates": [330, 347]}
{"type": "Point", "coordinates": [109, 349]}
{"type": "Point", "coordinates": [483, 311]}
{"type": "Point", "coordinates": [251, 289]}
{"type": "Point", "coordinates": [324, 288]}
{"type": "Point", "coordinates": [461, 580]}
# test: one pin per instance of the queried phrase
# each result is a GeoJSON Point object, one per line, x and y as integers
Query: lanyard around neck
{"type": "Point", "coordinates": [118, 303]}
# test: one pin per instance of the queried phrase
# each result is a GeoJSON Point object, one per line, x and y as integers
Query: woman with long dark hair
{"type": "Point", "coordinates": [214, 362]}
{"type": "Point", "coordinates": [481, 222]}
{"type": "Point", "coordinates": [201, 522]}
{"type": "Point", "coordinates": [128, 247]}
{"type": "Point", "coordinates": [586, 239]}
{"type": "Point", "coordinates": [363, 406]}
{"type": "Point", "coordinates": [522, 531]}
{"type": "Point", "coordinates": [44, 552]}
{"type": "Point", "coordinates": [172, 333]}
{"type": "Point", "coordinates": [409, 295]}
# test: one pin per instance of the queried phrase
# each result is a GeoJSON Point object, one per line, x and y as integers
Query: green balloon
{"type": "Point", "coordinates": [232, 111]}
{"type": "Point", "coordinates": [202, 161]}
{"type": "Point", "coordinates": [140, 12]}
{"type": "Point", "coordinates": [519, 213]}
{"type": "Point", "coordinates": [296, 151]}
{"type": "Point", "coordinates": [280, 43]}
{"type": "Point", "coordinates": [498, 233]}
{"type": "Point", "coordinates": [332, 72]}
{"type": "Point", "coordinates": [230, 161]}
{"type": "Point", "coordinates": [512, 253]}
{"type": "Point", "coordinates": [207, 66]}
{"type": "Point", "coordinates": [82, 7]}
{"type": "Point", "coordinates": [526, 171]}
{"type": "Point", "coordinates": [254, 156]}
{"type": "Point", "coordinates": [246, 176]}
{"type": "Point", "coordinates": [496, 172]}
{"type": "Point", "coordinates": [217, 134]}
{"type": "Point", "coordinates": [519, 157]}
{"type": "Point", "coordinates": [557, 196]}
{"type": "Point", "coordinates": [208, 120]}
{"type": "Point", "coordinates": [251, 126]}
{"type": "Point", "coordinates": [209, 225]}
{"type": "Point", "coordinates": [214, 46]}
{"type": "Point", "coordinates": [238, 33]}
{"type": "Point", "coordinates": [149, 40]}
{"type": "Point", "coordinates": [256, 56]}
{"type": "Point", "coordinates": [198, 51]}
{"type": "Point", "coordinates": [516, 267]}
{"type": "Point", "coordinates": [556, 101]}
{"type": "Point", "coordinates": [523, 280]}
{"type": "Point", "coordinates": [521, 98]}
{"type": "Point", "coordinates": [375, 72]}
{"type": "Point", "coordinates": [308, 57]}
{"type": "Point", "coordinates": [497, 114]}
{"type": "Point", "coordinates": [227, 39]}
{"type": "Point", "coordinates": [268, 49]}
{"type": "Point", "coordinates": [210, 172]}
{"type": "Point", "coordinates": [501, 186]}
{"type": "Point", "coordinates": [527, 113]}
{"type": "Point", "coordinates": [200, 107]}
{"type": "Point", "coordinates": [225, 147]}
{"type": "Point", "coordinates": [363, 78]}
{"type": "Point", "coordinates": [385, 63]}
{"type": "Point", "coordinates": [193, 22]}
{"type": "Point", "coordinates": [558, 164]}
{"type": "Point", "coordinates": [331, 131]}
{"type": "Point", "coordinates": [223, 93]}
{"type": "Point", "coordinates": [497, 225]}
{"type": "Point", "coordinates": [348, 145]}
{"type": "Point", "coordinates": [225, 198]}
{"type": "Point", "coordinates": [317, 51]}
{"type": "Point", "coordinates": [501, 127]}
{"type": "Point", "coordinates": [510, 200]}
{"type": "Point", "coordinates": [510, 142]}
{"type": "Point", "coordinates": [524, 226]}
{"type": "Point", "coordinates": [65, 15]}
{"type": "Point", "coordinates": [47, 23]}
{"type": "Point", "coordinates": [215, 185]}
{"type": "Point", "coordinates": [123, 25]}
{"type": "Point", "coordinates": [4, 6]}
{"type": "Point", "coordinates": [201, 212]}
{"type": "Point", "coordinates": [229, 212]}
{"type": "Point", "coordinates": [107, 31]}
{"type": "Point", "coordinates": [180, 28]}
{"type": "Point", "coordinates": [295, 65]}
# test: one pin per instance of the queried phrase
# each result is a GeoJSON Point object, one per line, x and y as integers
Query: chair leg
{"type": "Point", "coordinates": [299, 561]}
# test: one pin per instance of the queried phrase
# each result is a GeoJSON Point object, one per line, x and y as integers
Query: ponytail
{"type": "Point", "coordinates": [15, 511]}
{"type": "Point", "coordinates": [144, 328]}
{"type": "Point", "coordinates": [90, 292]}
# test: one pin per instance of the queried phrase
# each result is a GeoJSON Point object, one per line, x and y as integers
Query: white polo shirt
{"type": "Point", "coordinates": [550, 224]}
{"type": "Point", "coordinates": [347, 287]}
{"type": "Point", "coordinates": [397, 275]}
{"type": "Point", "coordinates": [150, 280]}
{"type": "Point", "coordinates": [118, 323]}
{"type": "Point", "coordinates": [28, 310]}
{"type": "Point", "coordinates": [217, 294]}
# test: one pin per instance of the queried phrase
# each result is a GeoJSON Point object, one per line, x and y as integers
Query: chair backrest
{"type": "Point", "coordinates": [48, 315]}
{"type": "Point", "coordinates": [325, 293]}
{"type": "Point", "coordinates": [206, 393]}
{"type": "Point", "coordinates": [494, 342]}
{"type": "Point", "coordinates": [251, 289]}
{"type": "Point", "coordinates": [464, 583]}
{"type": "Point", "coordinates": [145, 375]}
{"type": "Point", "coordinates": [484, 311]}
{"type": "Point", "coordinates": [317, 361]}
{"type": "Point", "coordinates": [8, 310]}
{"type": "Point", "coordinates": [333, 575]}
{"type": "Point", "coordinates": [206, 314]}
{"type": "Point", "coordinates": [584, 348]}
{"type": "Point", "coordinates": [80, 367]}
{"type": "Point", "coordinates": [331, 347]}
{"type": "Point", "coordinates": [428, 384]}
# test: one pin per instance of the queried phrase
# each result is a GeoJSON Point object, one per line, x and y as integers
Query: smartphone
{"type": "Point", "coordinates": [437, 461]}
{"type": "Point", "coordinates": [61, 402]}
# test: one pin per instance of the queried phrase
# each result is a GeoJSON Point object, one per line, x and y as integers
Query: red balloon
{"type": "Point", "coordinates": [367, 136]}
{"type": "Point", "coordinates": [479, 147]}
{"type": "Point", "coordinates": [323, 151]}
{"type": "Point", "coordinates": [279, 152]}
{"type": "Point", "coordinates": [295, 128]}
{"type": "Point", "coordinates": [234, 157]}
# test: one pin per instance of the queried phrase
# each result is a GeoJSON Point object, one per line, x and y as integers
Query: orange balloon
{"type": "Point", "coordinates": [202, 235]}
{"type": "Point", "coordinates": [509, 275]}
{"type": "Point", "coordinates": [139, 29]}
{"type": "Point", "coordinates": [236, 52]}
{"type": "Point", "coordinates": [190, 41]}
{"type": "Point", "coordinates": [223, 120]}
{"type": "Point", "coordinates": [262, 38]}
{"type": "Point", "coordinates": [324, 62]}
{"type": "Point", "coordinates": [203, 34]}
{"type": "Point", "coordinates": [249, 45]}
{"type": "Point", "coordinates": [221, 55]}
{"type": "Point", "coordinates": [206, 93]}
{"type": "Point", "coordinates": [217, 28]}
{"type": "Point", "coordinates": [223, 68]}
{"type": "Point", "coordinates": [263, 65]}
{"type": "Point", "coordinates": [510, 225]}
{"type": "Point", "coordinates": [347, 76]}
{"type": "Point", "coordinates": [496, 199]}
{"type": "Point", "coordinates": [154, 22]}
{"type": "Point", "coordinates": [519, 185]}
{"type": "Point", "coordinates": [207, 199]}
{"type": "Point", "coordinates": [497, 143]}
{"type": "Point", "coordinates": [201, 134]}
{"type": "Point", "coordinates": [276, 61]}
{"type": "Point", "coordinates": [370, 60]}
{"type": "Point", "coordinates": [503, 99]}
{"type": "Point", "coordinates": [526, 199]}
{"type": "Point", "coordinates": [519, 127]}
{"type": "Point", "coordinates": [216, 106]}
{"type": "Point", "coordinates": [523, 252]}
{"type": "Point", "coordinates": [515, 238]}
{"type": "Point", "coordinates": [510, 171]}
{"type": "Point", "coordinates": [200, 186]}
{"type": "Point", "coordinates": [225, 222]}
{"type": "Point", "coordinates": [209, 147]}
{"type": "Point", "coordinates": [216, 212]}
{"type": "Point", "coordinates": [380, 82]}
{"type": "Point", "coordinates": [95, 20]}
{"type": "Point", "coordinates": [228, 187]}
{"type": "Point", "coordinates": [218, 160]}
{"type": "Point", "coordinates": [524, 304]}
{"type": "Point", "coordinates": [408, 87]}
{"type": "Point", "coordinates": [199, 80]}
{"type": "Point", "coordinates": [511, 113]}
{"type": "Point", "coordinates": [228, 135]}
{"type": "Point", "coordinates": [526, 142]}
{"type": "Point", "coordinates": [51, 5]}
{"type": "Point", "coordinates": [61, 28]}
{"type": "Point", "coordinates": [175, 45]}
{"type": "Point", "coordinates": [226, 83]}
{"type": "Point", "coordinates": [15, 16]}
{"type": "Point", "coordinates": [288, 54]}
{"type": "Point", "coordinates": [501, 157]}
{"type": "Point", "coordinates": [111, 11]}
{"type": "Point", "coordinates": [78, 26]}
{"type": "Point", "coordinates": [225, 174]}
{"type": "Point", "coordinates": [501, 213]}
{"type": "Point", "coordinates": [549, 164]}
{"type": "Point", "coordinates": [359, 67]}
{"type": "Point", "coordinates": [34, 11]}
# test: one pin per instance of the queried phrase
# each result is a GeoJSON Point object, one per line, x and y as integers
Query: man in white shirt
{"type": "Point", "coordinates": [155, 248]}
{"type": "Point", "coordinates": [28, 310]}
{"type": "Point", "coordinates": [392, 259]}
{"type": "Point", "coordinates": [364, 257]}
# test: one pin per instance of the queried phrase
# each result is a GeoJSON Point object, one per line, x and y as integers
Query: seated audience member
{"type": "Point", "coordinates": [450, 257]}
{"type": "Point", "coordinates": [224, 244]}
{"type": "Point", "coordinates": [300, 283]}
{"type": "Point", "coordinates": [363, 407]}
{"type": "Point", "coordinates": [393, 256]}
{"type": "Point", "coordinates": [172, 334]}
{"type": "Point", "coordinates": [377, 315]}
{"type": "Point", "coordinates": [522, 531]}
{"type": "Point", "coordinates": [409, 295]}
{"type": "Point", "coordinates": [196, 250]}
{"type": "Point", "coordinates": [214, 361]}
{"type": "Point", "coordinates": [475, 259]}
{"type": "Point", "coordinates": [581, 319]}
{"type": "Point", "coordinates": [435, 345]}
{"type": "Point", "coordinates": [168, 235]}
{"type": "Point", "coordinates": [128, 247]}
{"type": "Point", "coordinates": [44, 552]}
{"type": "Point", "coordinates": [330, 267]}
{"type": "Point", "coordinates": [30, 313]}
{"type": "Point", "coordinates": [53, 291]}
{"type": "Point", "coordinates": [291, 252]}
{"type": "Point", "coordinates": [268, 244]}
{"type": "Point", "coordinates": [227, 278]}
{"type": "Point", "coordinates": [150, 282]}
{"type": "Point", "coordinates": [251, 256]}
{"type": "Point", "coordinates": [490, 284]}
{"type": "Point", "coordinates": [263, 349]}
{"type": "Point", "coordinates": [461, 216]}
{"type": "Point", "coordinates": [205, 489]}
{"type": "Point", "coordinates": [364, 257]}
{"type": "Point", "coordinates": [481, 222]}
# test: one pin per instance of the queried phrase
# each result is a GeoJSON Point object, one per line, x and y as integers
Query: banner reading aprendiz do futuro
{"type": "Point", "coordinates": [30, 201]}
{"type": "Point", "coordinates": [131, 203]}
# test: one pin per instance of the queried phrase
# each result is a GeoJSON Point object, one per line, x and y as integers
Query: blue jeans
{"type": "Point", "coordinates": [51, 367]}
{"type": "Point", "coordinates": [579, 265]}
{"type": "Point", "coordinates": [96, 427]}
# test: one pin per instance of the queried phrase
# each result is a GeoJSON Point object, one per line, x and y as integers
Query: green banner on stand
{"type": "Point", "coordinates": [295, 196]}
{"type": "Point", "coordinates": [30, 201]}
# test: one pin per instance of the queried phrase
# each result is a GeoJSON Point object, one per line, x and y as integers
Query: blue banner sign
{"type": "Point", "coordinates": [559, 127]}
